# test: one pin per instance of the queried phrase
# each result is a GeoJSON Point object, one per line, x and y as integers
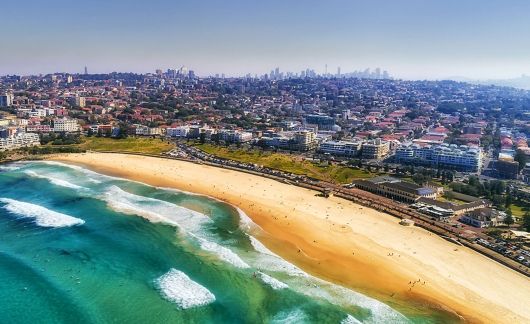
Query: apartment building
{"type": "Point", "coordinates": [234, 136]}
{"type": "Point", "coordinates": [342, 148]}
{"type": "Point", "coordinates": [19, 140]}
{"type": "Point", "coordinates": [65, 125]}
{"type": "Point", "coordinates": [181, 131]}
{"type": "Point", "coordinates": [375, 149]}
{"type": "Point", "coordinates": [463, 158]}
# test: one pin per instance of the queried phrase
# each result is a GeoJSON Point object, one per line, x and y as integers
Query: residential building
{"type": "Point", "coordinates": [19, 140]}
{"type": "Point", "coordinates": [463, 158]}
{"type": "Point", "coordinates": [65, 125]}
{"type": "Point", "coordinates": [342, 148]}
{"type": "Point", "coordinates": [304, 140]}
{"type": "Point", "coordinates": [375, 149]}
{"type": "Point", "coordinates": [234, 136]}
{"type": "Point", "coordinates": [181, 131]}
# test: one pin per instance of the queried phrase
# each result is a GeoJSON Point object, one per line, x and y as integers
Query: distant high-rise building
{"type": "Point", "coordinates": [158, 72]}
{"type": "Point", "coordinates": [69, 79]}
{"type": "Point", "coordinates": [338, 72]}
{"type": "Point", "coordinates": [191, 74]}
{"type": "Point", "coordinates": [377, 73]}
{"type": "Point", "coordinates": [171, 73]}
{"type": "Point", "coordinates": [86, 70]}
{"type": "Point", "coordinates": [6, 100]}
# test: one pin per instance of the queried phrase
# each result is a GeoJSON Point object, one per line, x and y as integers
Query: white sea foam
{"type": "Point", "coordinates": [350, 320]}
{"type": "Point", "coordinates": [291, 317]}
{"type": "Point", "coordinates": [273, 282]}
{"type": "Point", "coordinates": [43, 216]}
{"type": "Point", "coordinates": [335, 294]}
{"type": "Point", "coordinates": [9, 167]}
{"type": "Point", "coordinates": [223, 253]}
{"type": "Point", "coordinates": [316, 287]}
{"type": "Point", "coordinates": [191, 222]}
{"type": "Point", "coordinates": [54, 180]}
{"type": "Point", "coordinates": [245, 222]}
{"type": "Point", "coordinates": [178, 288]}
{"type": "Point", "coordinates": [91, 175]}
{"type": "Point", "coordinates": [271, 261]}
{"type": "Point", "coordinates": [154, 209]}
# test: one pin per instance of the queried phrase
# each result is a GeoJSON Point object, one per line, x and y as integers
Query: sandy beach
{"type": "Point", "coordinates": [343, 242]}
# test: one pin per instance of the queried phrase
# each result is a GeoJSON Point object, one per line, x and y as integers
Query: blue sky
{"type": "Point", "coordinates": [410, 38]}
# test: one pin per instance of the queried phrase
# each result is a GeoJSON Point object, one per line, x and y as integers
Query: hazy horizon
{"type": "Point", "coordinates": [412, 39]}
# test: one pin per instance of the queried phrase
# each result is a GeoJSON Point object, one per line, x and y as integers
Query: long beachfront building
{"type": "Point", "coordinates": [343, 148]}
{"type": "Point", "coordinates": [462, 158]}
{"type": "Point", "coordinates": [19, 140]}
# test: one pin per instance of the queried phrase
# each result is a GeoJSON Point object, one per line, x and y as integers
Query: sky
{"type": "Point", "coordinates": [412, 39]}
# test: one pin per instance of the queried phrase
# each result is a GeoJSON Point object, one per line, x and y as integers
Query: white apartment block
{"type": "Point", "coordinates": [375, 149]}
{"type": "Point", "coordinates": [461, 157]}
{"type": "Point", "coordinates": [181, 131]}
{"type": "Point", "coordinates": [234, 136]}
{"type": "Point", "coordinates": [65, 125]}
{"type": "Point", "coordinates": [19, 140]}
{"type": "Point", "coordinates": [143, 130]}
{"type": "Point", "coordinates": [343, 148]}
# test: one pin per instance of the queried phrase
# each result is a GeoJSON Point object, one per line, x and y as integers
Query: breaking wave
{"type": "Point", "coordinates": [178, 288]}
{"type": "Point", "coordinates": [53, 180]}
{"type": "Point", "coordinates": [350, 320]}
{"type": "Point", "coordinates": [154, 210]}
{"type": "Point", "coordinates": [43, 216]}
{"type": "Point", "coordinates": [273, 282]}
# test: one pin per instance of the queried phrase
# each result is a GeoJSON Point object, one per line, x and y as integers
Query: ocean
{"type": "Point", "coordinates": [79, 246]}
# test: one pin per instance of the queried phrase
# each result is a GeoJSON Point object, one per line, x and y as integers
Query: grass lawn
{"type": "Point", "coordinates": [517, 210]}
{"type": "Point", "coordinates": [129, 144]}
{"type": "Point", "coordinates": [289, 163]}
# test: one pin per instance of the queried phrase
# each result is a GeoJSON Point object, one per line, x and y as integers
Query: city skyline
{"type": "Point", "coordinates": [411, 39]}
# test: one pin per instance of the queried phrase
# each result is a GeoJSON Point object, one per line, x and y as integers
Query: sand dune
{"type": "Point", "coordinates": [343, 242]}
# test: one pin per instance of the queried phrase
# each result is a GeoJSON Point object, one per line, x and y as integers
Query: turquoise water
{"type": "Point", "coordinates": [78, 246]}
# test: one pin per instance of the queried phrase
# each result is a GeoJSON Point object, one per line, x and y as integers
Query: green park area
{"type": "Point", "coordinates": [130, 144]}
{"type": "Point", "coordinates": [290, 163]}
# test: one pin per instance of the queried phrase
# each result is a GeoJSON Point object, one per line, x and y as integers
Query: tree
{"type": "Point", "coordinates": [521, 158]}
{"type": "Point", "coordinates": [508, 201]}
{"type": "Point", "coordinates": [509, 218]}
{"type": "Point", "coordinates": [90, 132]}
{"type": "Point", "coordinates": [526, 221]}
{"type": "Point", "coordinates": [122, 131]}
{"type": "Point", "coordinates": [202, 138]}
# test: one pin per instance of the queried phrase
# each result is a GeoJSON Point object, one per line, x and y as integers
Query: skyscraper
{"type": "Point", "coordinates": [86, 70]}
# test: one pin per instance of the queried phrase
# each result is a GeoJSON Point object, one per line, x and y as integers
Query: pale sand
{"type": "Point", "coordinates": [343, 242]}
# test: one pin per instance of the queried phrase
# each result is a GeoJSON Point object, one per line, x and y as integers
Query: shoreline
{"type": "Point", "coordinates": [331, 237]}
